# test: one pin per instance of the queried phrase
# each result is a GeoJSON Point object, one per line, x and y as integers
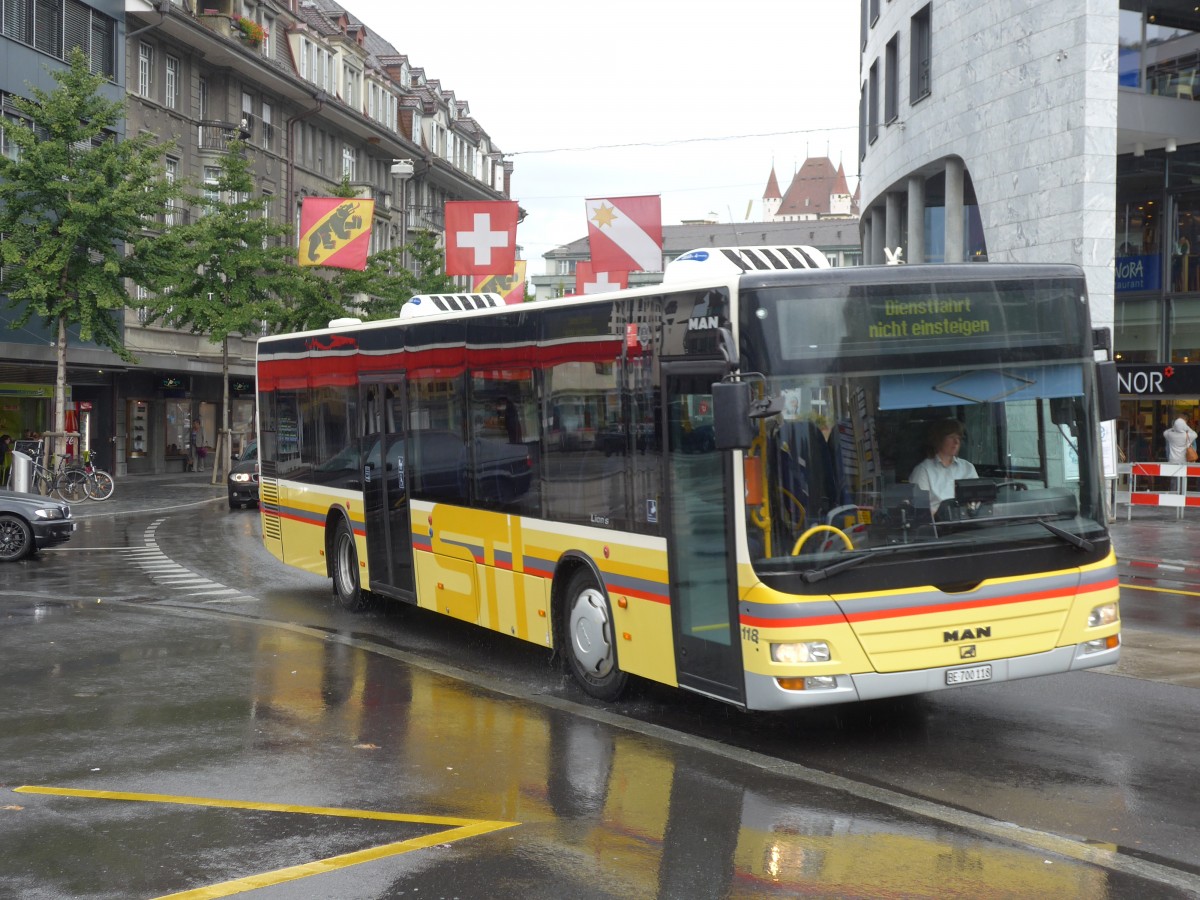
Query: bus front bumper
{"type": "Point", "coordinates": [764, 692]}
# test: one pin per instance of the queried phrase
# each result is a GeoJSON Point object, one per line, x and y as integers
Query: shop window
{"type": "Point", "coordinates": [1137, 329]}
{"type": "Point", "coordinates": [1185, 330]}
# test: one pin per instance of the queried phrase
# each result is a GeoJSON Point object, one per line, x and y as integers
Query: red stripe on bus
{"type": "Point", "coordinates": [897, 612]}
{"type": "Point", "coordinates": [759, 622]}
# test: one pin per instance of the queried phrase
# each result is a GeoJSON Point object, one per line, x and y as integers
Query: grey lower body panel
{"type": "Point", "coordinates": [763, 691]}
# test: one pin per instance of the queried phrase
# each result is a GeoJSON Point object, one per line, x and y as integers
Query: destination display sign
{"type": "Point", "coordinates": [872, 320]}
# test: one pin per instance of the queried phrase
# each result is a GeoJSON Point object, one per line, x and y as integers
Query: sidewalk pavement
{"type": "Point", "coordinates": [152, 493]}
{"type": "Point", "coordinates": [1156, 536]}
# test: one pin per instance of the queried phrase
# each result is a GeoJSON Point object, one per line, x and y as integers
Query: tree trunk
{"type": "Point", "coordinates": [222, 464]}
{"type": "Point", "coordinates": [59, 446]}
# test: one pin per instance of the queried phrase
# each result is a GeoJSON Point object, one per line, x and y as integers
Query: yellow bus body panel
{"type": "Point", "coordinates": [923, 628]}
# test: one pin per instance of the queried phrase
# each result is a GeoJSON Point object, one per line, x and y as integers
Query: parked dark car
{"type": "Point", "coordinates": [243, 478]}
{"type": "Point", "coordinates": [31, 522]}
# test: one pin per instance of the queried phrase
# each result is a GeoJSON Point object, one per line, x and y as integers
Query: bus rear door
{"type": "Point", "coordinates": [385, 488]}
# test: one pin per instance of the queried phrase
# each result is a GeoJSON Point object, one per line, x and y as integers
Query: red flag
{"type": "Point", "coordinates": [335, 232]}
{"type": "Point", "coordinates": [481, 237]}
{"type": "Point", "coordinates": [589, 281]}
{"type": "Point", "coordinates": [625, 233]}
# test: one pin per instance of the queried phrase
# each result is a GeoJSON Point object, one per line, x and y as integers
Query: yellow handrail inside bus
{"type": "Point", "coordinates": [819, 528]}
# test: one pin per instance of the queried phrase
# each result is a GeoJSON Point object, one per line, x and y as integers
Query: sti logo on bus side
{"type": "Point", "coordinates": [967, 634]}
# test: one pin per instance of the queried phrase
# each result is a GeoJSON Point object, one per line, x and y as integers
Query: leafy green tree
{"type": "Point", "coordinates": [227, 271]}
{"type": "Point", "coordinates": [430, 265]}
{"type": "Point", "coordinates": [386, 282]}
{"type": "Point", "coordinates": [71, 201]}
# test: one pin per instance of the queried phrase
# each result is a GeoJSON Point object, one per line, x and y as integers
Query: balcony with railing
{"type": "Point", "coordinates": [431, 218]}
{"type": "Point", "coordinates": [215, 135]}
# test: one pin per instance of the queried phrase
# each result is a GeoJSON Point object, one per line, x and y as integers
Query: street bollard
{"type": "Point", "coordinates": [21, 478]}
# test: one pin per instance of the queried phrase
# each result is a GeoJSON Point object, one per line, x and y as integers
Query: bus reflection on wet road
{"type": "Point", "coordinates": [149, 710]}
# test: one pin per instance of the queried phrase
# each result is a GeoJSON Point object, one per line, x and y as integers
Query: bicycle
{"type": "Point", "coordinates": [100, 484]}
{"type": "Point", "coordinates": [81, 480]}
{"type": "Point", "coordinates": [41, 479]}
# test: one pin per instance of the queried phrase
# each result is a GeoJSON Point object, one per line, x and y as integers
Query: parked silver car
{"type": "Point", "coordinates": [31, 522]}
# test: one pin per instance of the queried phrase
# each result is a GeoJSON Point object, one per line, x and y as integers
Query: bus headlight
{"type": "Point", "coordinates": [1103, 615]}
{"type": "Point", "coordinates": [800, 652]}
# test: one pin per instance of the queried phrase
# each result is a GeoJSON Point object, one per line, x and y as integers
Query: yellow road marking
{"type": "Point", "coordinates": [459, 829]}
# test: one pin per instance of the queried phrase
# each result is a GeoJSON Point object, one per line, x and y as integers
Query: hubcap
{"type": "Point", "coordinates": [345, 560]}
{"type": "Point", "coordinates": [590, 633]}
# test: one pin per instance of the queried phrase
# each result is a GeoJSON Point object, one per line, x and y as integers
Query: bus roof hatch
{"type": "Point", "coordinates": [432, 304]}
{"type": "Point", "coordinates": [697, 264]}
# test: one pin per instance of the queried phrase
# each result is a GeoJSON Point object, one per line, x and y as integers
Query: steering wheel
{"type": "Point", "coordinates": [819, 528]}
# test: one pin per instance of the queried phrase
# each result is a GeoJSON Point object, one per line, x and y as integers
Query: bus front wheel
{"type": "Point", "coordinates": [590, 638]}
{"type": "Point", "coordinates": [344, 569]}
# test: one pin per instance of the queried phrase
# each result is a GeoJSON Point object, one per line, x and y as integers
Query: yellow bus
{"type": "Point", "coordinates": [755, 512]}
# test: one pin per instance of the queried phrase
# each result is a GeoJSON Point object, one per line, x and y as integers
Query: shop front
{"type": "Point", "coordinates": [1152, 398]}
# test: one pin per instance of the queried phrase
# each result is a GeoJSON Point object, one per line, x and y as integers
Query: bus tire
{"type": "Point", "coordinates": [343, 567]}
{"type": "Point", "coordinates": [590, 638]}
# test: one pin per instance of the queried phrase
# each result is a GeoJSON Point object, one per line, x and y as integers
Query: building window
{"type": "Point", "coordinates": [56, 27]}
{"type": "Point", "coordinates": [268, 129]}
{"type": "Point", "coordinates": [862, 121]}
{"type": "Point", "coordinates": [48, 27]}
{"type": "Point", "coordinates": [171, 176]}
{"type": "Point", "coordinates": [349, 163]}
{"type": "Point", "coordinates": [171, 88]}
{"type": "Point", "coordinates": [873, 102]}
{"type": "Point", "coordinates": [891, 80]}
{"type": "Point", "coordinates": [18, 20]}
{"type": "Point", "coordinates": [8, 147]}
{"type": "Point", "coordinates": [212, 177]}
{"type": "Point", "coordinates": [352, 87]}
{"type": "Point", "coordinates": [921, 54]}
{"type": "Point", "coordinates": [145, 69]}
{"type": "Point", "coordinates": [247, 115]}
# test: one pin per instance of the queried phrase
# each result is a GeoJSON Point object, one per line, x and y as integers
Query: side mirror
{"type": "Point", "coordinates": [1108, 397]}
{"type": "Point", "coordinates": [732, 428]}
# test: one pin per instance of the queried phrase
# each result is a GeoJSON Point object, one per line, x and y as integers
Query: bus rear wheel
{"type": "Point", "coordinates": [344, 569]}
{"type": "Point", "coordinates": [590, 638]}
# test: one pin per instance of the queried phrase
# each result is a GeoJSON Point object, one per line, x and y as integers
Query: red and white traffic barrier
{"type": "Point", "coordinates": [1177, 496]}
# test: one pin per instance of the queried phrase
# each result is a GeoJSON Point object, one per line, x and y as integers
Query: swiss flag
{"type": "Point", "coordinates": [481, 237]}
{"type": "Point", "coordinates": [589, 281]}
{"type": "Point", "coordinates": [625, 233]}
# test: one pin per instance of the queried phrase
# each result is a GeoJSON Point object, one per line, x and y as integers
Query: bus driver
{"type": "Point", "coordinates": [938, 472]}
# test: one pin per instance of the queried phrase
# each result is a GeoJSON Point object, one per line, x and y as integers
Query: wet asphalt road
{"type": "Point", "coordinates": [182, 713]}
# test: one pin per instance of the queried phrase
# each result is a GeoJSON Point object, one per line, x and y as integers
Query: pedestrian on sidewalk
{"type": "Point", "coordinates": [6, 446]}
{"type": "Point", "coordinates": [1179, 438]}
{"type": "Point", "coordinates": [196, 446]}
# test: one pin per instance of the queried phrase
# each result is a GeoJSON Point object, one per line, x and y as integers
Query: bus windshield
{"type": "Point", "coordinates": [910, 420]}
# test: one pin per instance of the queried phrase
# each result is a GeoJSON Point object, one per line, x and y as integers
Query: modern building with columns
{"type": "Point", "coordinates": [1038, 131]}
{"type": "Point", "coordinates": [989, 131]}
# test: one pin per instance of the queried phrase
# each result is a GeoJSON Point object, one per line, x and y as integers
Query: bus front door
{"type": "Point", "coordinates": [708, 652]}
{"type": "Point", "coordinates": [385, 489]}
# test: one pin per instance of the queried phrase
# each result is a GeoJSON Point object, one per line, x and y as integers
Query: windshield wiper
{"type": "Point", "coordinates": [812, 576]}
{"type": "Point", "coordinates": [1073, 539]}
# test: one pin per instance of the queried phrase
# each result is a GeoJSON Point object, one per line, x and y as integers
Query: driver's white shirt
{"type": "Point", "coordinates": [933, 476]}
